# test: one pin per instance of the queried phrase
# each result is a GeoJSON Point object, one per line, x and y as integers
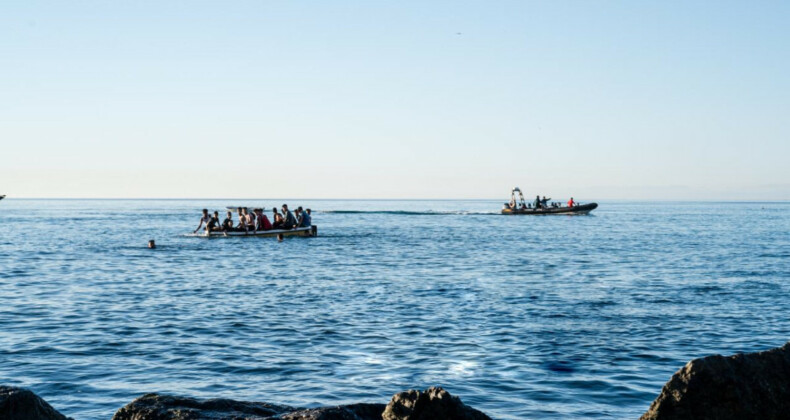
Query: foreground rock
{"type": "Point", "coordinates": [431, 404]}
{"type": "Point", "coordinates": [22, 404]}
{"type": "Point", "coordinates": [744, 386]}
{"type": "Point", "coordinates": [165, 407]}
{"type": "Point", "coordinates": [155, 407]}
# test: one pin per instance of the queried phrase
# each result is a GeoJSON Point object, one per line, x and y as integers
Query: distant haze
{"type": "Point", "coordinates": [407, 99]}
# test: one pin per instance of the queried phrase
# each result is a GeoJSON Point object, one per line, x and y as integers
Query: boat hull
{"type": "Point", "coordinates": [582, 209]}
{"type": "Point", "coordinates": [305, 231]}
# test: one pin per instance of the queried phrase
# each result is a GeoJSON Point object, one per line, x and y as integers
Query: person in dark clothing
{"type": "Point", "coordinates": [227, 224]}
{"type": "Point", "coordinates": [277, 218]}
{"type": "Point", "coordinates": [289, 221]}
{"type": "Point", "coordinates": [213, 223]}
{"type": "Point", "coordinates": [304, 218]}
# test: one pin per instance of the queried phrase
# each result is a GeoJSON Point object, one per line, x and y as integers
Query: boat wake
{"type": "Point", "coordinates": [410, 213]}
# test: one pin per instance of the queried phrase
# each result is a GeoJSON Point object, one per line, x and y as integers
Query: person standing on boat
{"type": "Point", "coordinates": [545, 202]}
{"type": "Point", "coordinates": [203, 219]}
{"type": "Point", "coordinates": [537, 201]}
{"type": "Point", "coordinates": [289, 221]}
{"type": "Point", "coordinates": [571, 203]}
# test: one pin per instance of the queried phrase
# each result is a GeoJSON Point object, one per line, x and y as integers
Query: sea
{"type": "Point", "coordinates": [522, 317]}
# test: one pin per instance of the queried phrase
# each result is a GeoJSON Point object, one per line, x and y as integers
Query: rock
{"type": "Point", "coordinates": [342, 412]}
{"type": "Point", "coordinates": [165, 407]}
{"type": "Point", "coordinates": [743, 386]}
{"type": "Point", "coordinates": [23, 404]}
{"type": "Point", "coordinates": [432, 404]}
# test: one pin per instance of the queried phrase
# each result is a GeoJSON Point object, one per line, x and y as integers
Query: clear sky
{"type": "Point", "coordinates": [395, 99]}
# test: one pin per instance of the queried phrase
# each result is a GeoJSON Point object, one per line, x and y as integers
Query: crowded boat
{"type": "Point", "coordinates": [255, 222]}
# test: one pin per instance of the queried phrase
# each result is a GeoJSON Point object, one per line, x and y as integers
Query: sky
{"type": "Point", "coordinates": [686, 100]}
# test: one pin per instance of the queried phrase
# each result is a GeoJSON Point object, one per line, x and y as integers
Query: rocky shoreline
{"type": "Point", "coordinates": [743, 386]}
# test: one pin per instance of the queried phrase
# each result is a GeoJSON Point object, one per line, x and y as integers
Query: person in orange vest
{"type": "Point", "coordinates": [570, 202]}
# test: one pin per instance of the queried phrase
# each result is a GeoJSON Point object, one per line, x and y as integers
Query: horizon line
{"type": "Point", "coordinates": [787, 200]}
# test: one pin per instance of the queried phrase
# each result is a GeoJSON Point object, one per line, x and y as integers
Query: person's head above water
{"type": "Point", "coordinates": [151, 244]}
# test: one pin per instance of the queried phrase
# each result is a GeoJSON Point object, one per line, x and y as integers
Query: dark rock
{"type": "Point", "coordinates": [165, 407]}
{"type": "Point", "coordinates": [744, 386]}
{"type": "Point", "coordinates": [432, 404]}
{"type": "Point", "coordinates": [22, 404]}
{"type": "Point", "coordinates": [343, 412]}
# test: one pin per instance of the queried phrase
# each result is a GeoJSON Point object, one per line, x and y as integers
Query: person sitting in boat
{"type": "Point", "coordinates": [289, 221]}
{"type": "Point", "coordinates": [227, 224]}
{"type": "Point", "coordinates": [205, 218]}
{"type": "Point", "coordinates": [278, 219]}
{"type": "Point", "coordinates": [242, 225]}
{"type": "Point", "coordinates": [303, 219]}
{"type": "Point", "coordinates": [263, 221]}
{"type": "Point", "coordinates": [570, 202]}
{"type": "Point", "coordinates": [249, 220]}
{"type": "Point", "coordinates": [213, 223]}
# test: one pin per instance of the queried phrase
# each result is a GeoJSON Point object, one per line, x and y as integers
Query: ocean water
{"type": "Point", "coordinates": [552, 317]}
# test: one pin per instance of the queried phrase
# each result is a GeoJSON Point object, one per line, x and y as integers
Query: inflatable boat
{"type": "Point", "coordinates": [302, 231]}
{"type": "Point", "coordinates": [580, 209]}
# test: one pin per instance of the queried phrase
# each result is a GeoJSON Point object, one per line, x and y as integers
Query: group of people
{"type": "Point", "coordinates": [539, 203]}
{"type": "Point", "coordinates": [255, 220]}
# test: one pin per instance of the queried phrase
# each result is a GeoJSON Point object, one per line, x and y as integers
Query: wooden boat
{"type": "Point", "coordinates": [580, 209]}
{"type": "Point", "coordinates": [303, 231]}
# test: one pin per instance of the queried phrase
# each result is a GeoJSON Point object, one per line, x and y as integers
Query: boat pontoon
{"type": "Point", "coordinates": [302, 231]}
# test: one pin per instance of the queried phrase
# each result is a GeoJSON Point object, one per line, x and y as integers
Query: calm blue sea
{"type": "Point", "coordinates": [552, 317]}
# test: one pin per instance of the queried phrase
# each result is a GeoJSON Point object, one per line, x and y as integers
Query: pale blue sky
{"type": "Point", "coordinates": [374, 99]}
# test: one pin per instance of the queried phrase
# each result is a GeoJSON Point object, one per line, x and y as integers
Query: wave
{"type": "Point", "coordinates": [409, 212]}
